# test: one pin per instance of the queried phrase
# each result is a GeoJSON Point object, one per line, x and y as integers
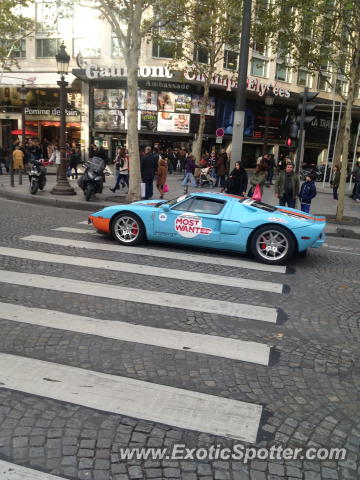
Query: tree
{"type": "Point", "coordinates": [323, 37]}
{"type": "Point", "coordinates": [132, 21]}
{"type": "Point", "coordinates": [206, 28]}
{"type": "Point", "coordinates": [13, 27]}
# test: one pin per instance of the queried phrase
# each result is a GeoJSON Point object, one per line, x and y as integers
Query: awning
{"type": "Point", "coordinates": [32, 79]}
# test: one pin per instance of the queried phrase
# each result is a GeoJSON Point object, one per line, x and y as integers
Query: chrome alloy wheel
{"type": "Point", "coordinates": [126, 229]}
{"type": "Point", "coordinates": [272, 245]}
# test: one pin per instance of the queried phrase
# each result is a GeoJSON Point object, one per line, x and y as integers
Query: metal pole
{"type": "Point", "coordinates": [300, 151]}
{"type": "Point", "coordinates": [354, 156]}
{"type": "Point", "coordinates": [330, 137]}
{"type": "Point", "coordinates": [62, 186]}
{"type": "Point", "coordinates": [266, 136]}
{"type": "Point", "coordinates": [239, 114]}
{"type": "Point", "coordinates": [336, 136]}
{"type": "Point", "coordinates": [22, 135]}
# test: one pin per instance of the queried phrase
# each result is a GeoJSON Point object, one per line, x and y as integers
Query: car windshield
{"type": "Point", "coordinates": [173, 201]}
{"type": "Point", "coordinates": [254, 203]}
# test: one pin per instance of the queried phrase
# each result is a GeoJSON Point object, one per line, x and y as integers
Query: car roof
{"type": "Point", "coordinates": [216, 195]}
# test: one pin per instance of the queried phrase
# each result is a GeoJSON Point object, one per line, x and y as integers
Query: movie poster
{"type": "Point", "coordinates": [148, 120]}
{"type": "Point", "coordinates": [109, 119]}
{"type": "Point", "coordinates": [101, 99]}
{"type": "Point", "coordinates": [109, 98]}
{"type": "Point", "coordinates": [183, 103]}
{"type": "Point", "coordinates": [147, 100]}
{"type": "Point", "coordinates": [166, 101]}
{"type": "Point", "coordinates": [173, 122]}
{"type": "Point", "coordinates": [196, 105]}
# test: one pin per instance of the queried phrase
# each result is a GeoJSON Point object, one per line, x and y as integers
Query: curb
{"type": "Point", "coordinates": [344, 233]}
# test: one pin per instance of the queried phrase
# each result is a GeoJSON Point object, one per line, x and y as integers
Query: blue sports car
{"type": "Point", "coordinates": [215, 220]}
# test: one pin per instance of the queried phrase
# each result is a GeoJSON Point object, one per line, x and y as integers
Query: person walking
{"type": "Point", "coordinates": [307, 193]}
{"type": "Point", "coordinates": [162, 172]}
{"type": "Point", "coordinates": [18, 159]}
{"type": "Point", "coordinates": [56, 158]}
{"type": "Point", "coordinates": [287, 186]}
{"type": "Point", "coordinates": [356, 190]}
{"type": "Point", "coordinates": [74, 160]}
{"type": "Point", "coordinates": [335, 181]}
{"type": "Point", "coordinates": [190, 166]}
{"type": "Point", "coordinates": [149, 164]}
{"type": "Point", "coordinates": [271, 166]}
{"type": "Point", "coordinates": [258, 178]}
{"type": "Point", "coordinates": [220, 168]}
{"type": "Point", "coordinates": [121, 169]}
{"type": "Point", "coordinates": [238, 181]}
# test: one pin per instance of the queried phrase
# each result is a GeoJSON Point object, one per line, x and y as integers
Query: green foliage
{"type": "Point", "coordinates": [14, 25]}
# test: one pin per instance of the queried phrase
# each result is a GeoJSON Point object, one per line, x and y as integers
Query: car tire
{"type": "Point", "coordinates": [272, 244]}
{"type": "Point", "coordinates": [128, 229]}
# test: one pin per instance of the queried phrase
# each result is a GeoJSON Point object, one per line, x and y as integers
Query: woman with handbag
{"type": "Point", "coordinates": [257, 182]}
{"type": "Point", "coordinates": [161, 177]}
{"type": "Point", "coordinates": [238, 181]}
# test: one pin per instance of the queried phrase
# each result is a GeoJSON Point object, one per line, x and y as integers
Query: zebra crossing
{"type": "Point", "coordinates": [186, 409]}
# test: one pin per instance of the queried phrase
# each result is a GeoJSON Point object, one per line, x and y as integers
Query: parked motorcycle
{"type": "Point", "coordinates": [37, 176]}
{"type": "Point", "coordinates": [92, 180]}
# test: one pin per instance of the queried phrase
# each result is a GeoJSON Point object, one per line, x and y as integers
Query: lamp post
{"type": "Point", "coordinates": [23, 91]}
{"type": "Point", "coordinates": [269, 102]}
{"type": "Point", "coordinates": [62, 186]}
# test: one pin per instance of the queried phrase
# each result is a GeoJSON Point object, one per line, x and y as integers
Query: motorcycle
{"type": "Point", "coordinates": [37, 176]}
{"type": "Point", "coordinates": [92, 180]}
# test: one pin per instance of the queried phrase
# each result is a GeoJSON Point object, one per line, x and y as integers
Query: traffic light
{"type": "Point", "coordinates": [291, 143]}
{"type": "Point", "coordinates": [304, 108]}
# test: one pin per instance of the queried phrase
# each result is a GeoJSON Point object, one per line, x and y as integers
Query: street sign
{"type": "Point", "coordinates": [219, 139]}
{"type": "Point", "coordinates": [219, 132]}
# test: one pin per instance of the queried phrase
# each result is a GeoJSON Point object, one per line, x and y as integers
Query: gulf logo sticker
{"type": "Point", "coordinates": [189, 225]}
{"type": "Point", "coordinates": [277, 219]}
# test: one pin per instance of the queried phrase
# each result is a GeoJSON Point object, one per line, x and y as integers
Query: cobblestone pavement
{"type": "Point", "coordinates": [309, 390]}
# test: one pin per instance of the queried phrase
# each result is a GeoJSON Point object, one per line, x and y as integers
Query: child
{"type": "Point", "coordinates": [307, 193]}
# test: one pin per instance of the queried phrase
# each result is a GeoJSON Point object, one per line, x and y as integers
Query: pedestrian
{"type": "Point", "coordinates": [220, 168]}
{"type": "Point", "coordinates": [238, 181]}
{"type": "Point", "coordinates": [56, 158]}
{"type": "Point", "coordinates": [190, 166]}
{"type": "Point", "coordinates": [287, 186]}
{"type": "Point", "coordinates": [281, 163]}
{"type": "Point", "coordinates": [121, 163]}
{"type": "Point", "coordinates": [356, 190]}
{"type": "Point", "coordinates": [271, 166]}
{"type": "Point", "coordinates": [307, 193]}
{"type": "Point", "coordinates": [258, 178]}
{"type": "Point", "coordinates": [335, 182]}
{"type": "Point", "coordinates": [162, 172]}
{"type": "Point", "coordinates": [1, 160]}
{"type": "Point", "coordinates": [149, 164]}
{"type": "Point", "coordinates": [18, 159]}
{"type": "Point", "coordinates": [74, 160]}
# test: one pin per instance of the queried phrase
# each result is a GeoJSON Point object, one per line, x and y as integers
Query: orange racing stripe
{"type": "Point", "coordinates": [320, 219]}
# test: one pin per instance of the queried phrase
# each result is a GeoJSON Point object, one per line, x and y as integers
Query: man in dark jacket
{"type": "Point", "coordinates": [287, 186]}
{"type": "Point", "coordinates": [149, 165]}
{"type": "Point", "coordinates": [307, 193]}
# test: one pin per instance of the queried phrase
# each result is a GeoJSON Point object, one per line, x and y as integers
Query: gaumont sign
{"type": "Point", "coordinates": [93, 71]}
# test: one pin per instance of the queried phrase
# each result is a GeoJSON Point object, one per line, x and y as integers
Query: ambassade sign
{"type": "Point", "coordinates": [93, 72]}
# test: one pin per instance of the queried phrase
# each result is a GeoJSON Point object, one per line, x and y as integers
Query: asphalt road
{"type": "Point", "coordinates": [114, 358]}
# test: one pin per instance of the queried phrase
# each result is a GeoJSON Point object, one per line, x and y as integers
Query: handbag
{"type": "Point", "coordinates": [165, 188]}
{"type": "Point", "coordinates": [257, 194]}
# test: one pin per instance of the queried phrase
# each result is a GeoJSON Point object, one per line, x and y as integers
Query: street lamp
{"type": "Point", "coordinates": [23, 91]}
{"type": "Point", "coordinates": [62, 186]}
{"type": "Point", "coordinates": [269, 102]}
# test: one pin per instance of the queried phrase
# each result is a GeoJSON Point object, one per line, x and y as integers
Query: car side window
{"type": "Point", "coordinates": [206, 205]}
{"type": "Point", "coordinates": [184, 206]}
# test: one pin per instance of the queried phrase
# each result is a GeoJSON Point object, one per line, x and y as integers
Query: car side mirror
{"type": "Point", "coordinates": [165, 207]}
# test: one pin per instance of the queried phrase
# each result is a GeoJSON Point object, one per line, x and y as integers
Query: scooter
{"type": "Point", "coordinates": [37, 176]}
{"type": "Point", "coordinates": [92, 180]}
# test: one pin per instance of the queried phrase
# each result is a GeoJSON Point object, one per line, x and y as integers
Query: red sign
{"type": "Point", "coordinates": [219, 132]}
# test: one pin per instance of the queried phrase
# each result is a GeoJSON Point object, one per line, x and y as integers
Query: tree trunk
{"type": "Point", "coordinates": [196, 149]}
{"type": "Point", "coordinates": [133, 137]}
{"type": "Point", "coordinates": [339, 142]}
{"type": "Point", "coordinates": [354, 79]}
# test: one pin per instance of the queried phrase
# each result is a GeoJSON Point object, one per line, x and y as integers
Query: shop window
{"type": "Point", "coordinates": [88, 47]}
{"type": "Point", "coordinates": [46, 16]}
{"type": "Point", "coordinates": [201, 55]}
{"type": "Point", "coordinates": [282, 72]}
{"type": "Point", "coordinates": [47, 47]}
{"type": "Point", "coordinates": [230, 60]}
{"type": "Point", "coordinates": [259, 67]}
{"type": "Point", "coordinates": [164, 48]}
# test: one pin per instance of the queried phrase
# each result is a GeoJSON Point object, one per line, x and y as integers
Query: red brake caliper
{"type": "Point", "coordinates": [134, 229]}
{"type": "Point", "coordinates": [263, 245]}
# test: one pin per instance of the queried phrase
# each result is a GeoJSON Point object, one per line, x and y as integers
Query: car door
{"type": "Point", "coordinates": [195, 221]}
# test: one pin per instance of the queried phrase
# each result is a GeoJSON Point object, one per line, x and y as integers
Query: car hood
{"type": "Point", "coordinates": [147, 203]}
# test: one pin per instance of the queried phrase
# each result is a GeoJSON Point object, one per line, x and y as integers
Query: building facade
{"type": "Point", "coordinates": [168, 101]}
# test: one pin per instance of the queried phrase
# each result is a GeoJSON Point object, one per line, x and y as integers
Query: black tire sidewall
{"type": "Point", "coordinates": [34, 186]}
{"type": "Point", "coordinates": [280, 229]}
{"type": "Point", "coordinates": [89, 190]}
{"type": "Point", "coordinates": [139, 239]}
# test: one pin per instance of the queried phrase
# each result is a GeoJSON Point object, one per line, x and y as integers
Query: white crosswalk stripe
{"type": "Point", "coordinates": [177, 407]}
{"type": "Point", "coordinates": [207, 344]}
{"type": "Point", "coordinates": [135, 398]}
{"type": "Point", "coordinates": [172, 300]}
{"type": "Point", "coordinates": [160, 253]}
{"type": "Point", "coordinates": [143, 270]}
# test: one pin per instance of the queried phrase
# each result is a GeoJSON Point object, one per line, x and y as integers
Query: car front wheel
{"type": "Point", "coordinates": [272, 244]}
{"type": "Point", "coordinates": [128, 229]}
